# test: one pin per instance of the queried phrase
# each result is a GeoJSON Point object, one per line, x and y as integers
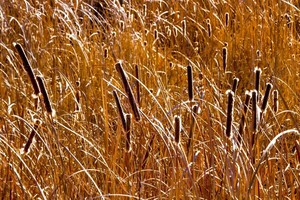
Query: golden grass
{"type": "Point", "coordinates": [101, 61]}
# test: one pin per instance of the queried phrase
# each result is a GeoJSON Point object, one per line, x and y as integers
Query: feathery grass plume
{"type": "Point", "coordinates": [78, 96]}
{"type": "Point", "coordinates": [45, 96]}
{"type": "Point", "coordinates": [190, 82]}
{"type": "Point", "coordinates": [177, 125]}
{"type": "Point", "coordinates": [235, 84]}
{"type": "Point", "coordinates": [209, 31]}
{"type": "Point", "coordinates": [28, 68]}
{"type": "Point", "coordinates": [275, 101]}
{"type": "Point", "coordinates": [128, 132]}
{"type": "Point", "coordinates": [257, 72]}
{"type": "Point", "coordinates": [120, 110]}
{"type": "Point", "coordinates": [129, 92]}
{"type": "Point", "coordinates": [266, 98]}
{"type": "Point", "coordinates": [195, 111]}
{"type": "Point", "coordinates": [230, 108]}
{"type": "Point", "coordinates": [254, 115]}
{"type": "Point", "coordinates": [184, 28]}
{"type": "Point", "coordinates": [37, 123]}
{"type": "Point", "coordinates": [225, 55]}
{"type": "Point", "coordinates": [226, 19]}
{"type": "Point", "coordinates": [243, 118]}
{"type": "Point", "coordinates": [137, 76]}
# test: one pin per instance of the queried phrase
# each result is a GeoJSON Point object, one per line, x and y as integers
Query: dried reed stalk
{"type": "Point", "coordinates": [235, 84]}
{"type": "Point", "coordinates": [28, 68]}
{"type": "Point", "coordinates": [128, 132]}
{"type": "Point", "coordinates": [177, 125]}
{"type": "Point", "coordinates": [129, 92]}
{"type": "Point", "coordinates": [195, 111]}
{"type": "Point", "coordinates": [120, 110]}
{"type": "Point", "coordinates": [30, 139]}
{"type": "Point", "coordinates": [149, 146]}
{"type": "Point", "coordinates": [45, 96]}
{"type": "Point", "coordinates": [230, 108]}
{"type": "Point", "coordinates": [243, 118]}
{"type": "Point", "coordinates": [190, 83]}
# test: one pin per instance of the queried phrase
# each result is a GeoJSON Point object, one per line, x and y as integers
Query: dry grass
{"type": "Point", "coordinates": [246, 150]}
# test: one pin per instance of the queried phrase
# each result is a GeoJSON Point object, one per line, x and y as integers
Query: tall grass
{"type": "Point", "coordinates": [106, 62]}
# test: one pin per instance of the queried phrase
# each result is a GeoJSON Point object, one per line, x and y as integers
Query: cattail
{"type": "Point", "coordinates": [129, 92]}
{"type": "Point", "coordinates": [137, 76]}
{"type": "Point", "coordinates": [28, 68]}
{"type": "Point", "coordinates": [225, 55]}
{"type": "Point", "coordinates": [145, 10]}
{"type": "Point", "coordinates": [177, 128]}
{"type": "Point", "coordinates": [208, 27]}
{"type": "Point", "coordinates": [155, 34]}
{"type": "Point", "coordinates": [226, 19]}
{"type": "Point", "coordinates": [257, 72]}
{"type": "Point", "coordinates": [195, 111]}
{"type": "Point", "coordinates": [266, 97]}
{"type": "Point", "coordinates": [235, 85]}
{"type": "Point", "coordinates": [105, 53]}
{"type": "Point", "coordinates": [190, 83]}
{"type": "Point", "coordinates": [254, 116]}
{"type": "Point", "coordinates": [244, 114]}
{"type": "Point", "coordinates": [275, 102]}
{"type": "Point", "coordinates": [184, 28]}
{"type": "Point", "coordinates": [45, 96]}
{"type": "Point", "coordinates": [32, 134]}
{"type": "Point", "coordinates": [78, 96]}
{"type": "Point", "coordinates": [122, 26]}
{"type": "Point", "coordinates": [128, 132]}
{"type": "Point", "coordinates": [230, 108]}
{"type": "Point", "coordinates": [120, 109]}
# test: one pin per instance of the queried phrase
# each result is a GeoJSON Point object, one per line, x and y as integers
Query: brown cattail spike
{"type": "Point", "coordinates": [105, 53]}
{"type": "Point", "coordinates": [235, 85]}
{"type": "Point", "coordinates": [45, 96]}
{"type": "Point", "coordinates": [177, 128]}
{"type": "Point", "coordinates": [257, 72]}
{"type": "Point", "coordinates": [255, 116]}
{"type": "Point", "coordinates": [225, 55]}
{"type": "Point", "coordinates": [78, 96]}
{"type": "Point", "coordinates": [226, 19]}
{"type": "Point", "coordinates": [208, 27]}
{"type": "Point", "coordinates": [190, 83]}
{"type": "Point", "coordinates": [275, 103]}
{"type": "Point", "coordinates": [242, 124]}
{"type": "Point", "coordinates": [266, 97]}
{"type": "Point", "coordinates": [184, 28]}
{"type": "Point", "coordinates": [129, 92]}
{"type": "Point", "coordinates": [128, 132]}
{"type": "Point", "coordinates": [28, 68]}
{"type": "Point", "coordinates": [120, 110]}
{"type": "Point", "coordinates": [30, 139]}
{"type": "Point", "coordinates": [230, 108]}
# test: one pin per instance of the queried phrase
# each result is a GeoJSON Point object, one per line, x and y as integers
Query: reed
{"type": "Point", "coordinates": [129, 92]}
{"type": "Point", "coordinates": [244, 116]}
{"type": "Point", "coordinates": [120, 110]}
{"type": "Point", "coordinates": [190, 142]}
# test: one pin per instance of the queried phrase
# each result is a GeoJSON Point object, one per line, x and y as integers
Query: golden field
{"type": "Point", "coordinates": [148, 99]}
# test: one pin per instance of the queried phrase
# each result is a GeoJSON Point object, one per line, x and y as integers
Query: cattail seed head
{"type": "Point", "coordinates": [145, 10]}
{"type": "Point", "coordinates": [36, 125]}
{"type": "Point", "coordinates": [177, 128]}
{"type": "Point", "coordinates": [230, 108]}
{"type": "Point", "coordinates": [255, 114]}
{"type": "Point", "coordinates": [225, 55]}
{"type": "Point", "coordinates": [155, 34]}
{"type": "Point", "coordinates": [129, 92]}
{"type": "Point", "coordinates": [235, 84]}
{"type": "Point", "coordinates": [45, 96]}
{"type": "Point", "coordinates": [184, 28]}
{"type": "Point", "coordinates": [190, 82]}
{"type": "Point", "coordinates": [209, 31]}
{"type": "Point", "coordinates": [226, 19]}
{"type": "Point", "coordinates": [275, 101]}
{"type": "Point", "coordinates": [266, 97]}
{"type": "Point", "coordinates": [257, 72]}
{"type": "Point", "coordinates": [105, 53]}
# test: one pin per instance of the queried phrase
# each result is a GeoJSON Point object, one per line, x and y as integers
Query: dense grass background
{"type": "Point", "coordinates": [81, 151]}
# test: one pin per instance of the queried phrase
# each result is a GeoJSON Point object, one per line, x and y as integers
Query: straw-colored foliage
{"type": "Point", "coordinates": [97, 100]}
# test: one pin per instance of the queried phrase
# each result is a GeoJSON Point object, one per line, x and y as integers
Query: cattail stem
{"type": "Point", "coordinates": [27, 68]}
{"type": "Point", "coordinates": [190, 83]}
{"type": "Point", "coordinates": [177, 128]}
{"type": "Point", "coordinates": [128, 132]}
{"type": "Point", "coordinates": [45, 95]}
{"type": "Point", "coordinates": [129, 92]}
{"type": "Point", "coordinates": [195, 110]}
{"type": "Point", "coordinates": [120, 109]}
{"type": "Point", "coordinates": [242, 124]}
{"type": "Point", "coordinates": [230, 108]}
